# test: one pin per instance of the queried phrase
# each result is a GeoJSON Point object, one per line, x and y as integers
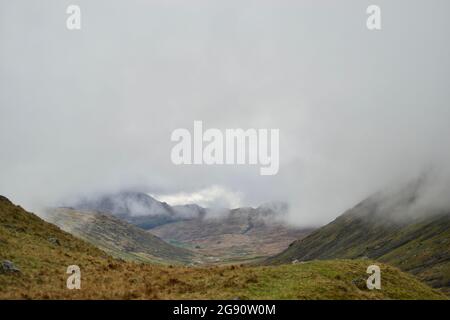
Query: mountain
{"type": "Point", "coordinates": [235, 235]}
{"type": "Point", "coordinates": [138, 208]}
{"type": "Point", "coordinates": [176, 213]}
{"type": "Point", "coordinates": [222, 235]}
{"type": "Point", "coordinates": [117, 237]}
{"type": "Point", "coordinates": [387, 227]}
{"type": "Point", "coordinates": [41, 252]}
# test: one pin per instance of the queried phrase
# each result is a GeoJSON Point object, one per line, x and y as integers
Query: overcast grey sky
{"type": "Point", "coordinates": [92, 110]}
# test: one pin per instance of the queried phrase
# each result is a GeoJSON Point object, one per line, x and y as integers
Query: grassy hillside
{"type": "Point", "coordinates": [117, 237]}
{"type": "Point", "coordinates": [419, 245]}
{"type": "Point", "coordinates": [30, 244]}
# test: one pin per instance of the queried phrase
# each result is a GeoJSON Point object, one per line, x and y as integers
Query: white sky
{"type": "Point", "coordinates": [93, 110]}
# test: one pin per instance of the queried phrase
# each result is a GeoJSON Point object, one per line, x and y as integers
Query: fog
{"type": "Point", "coordinates": [92, 110]}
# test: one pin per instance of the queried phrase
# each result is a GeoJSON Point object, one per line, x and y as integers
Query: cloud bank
{"type": "Point", "coordinates": [212, 197]}
{"type": "Point", "coordinates": [93, 110]}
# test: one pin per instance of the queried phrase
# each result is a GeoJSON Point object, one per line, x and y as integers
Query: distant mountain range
{"type": "Point", "coordinates": [218, 235]}
{"type": "Point", "coordinates": [138, 208]}
{"type": "Point", "coordinates": [380, 228]}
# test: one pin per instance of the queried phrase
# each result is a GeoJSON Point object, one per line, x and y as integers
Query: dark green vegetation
{"type": "Point", "coordinates": [117, 237]}
{"type": "Point", "coordinates": [418, 243]}
{"type": "Point", "coordinates": [42, 252]}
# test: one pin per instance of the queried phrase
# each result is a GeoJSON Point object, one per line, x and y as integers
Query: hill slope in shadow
{"type": "Point", "coordinates": [379, 229]}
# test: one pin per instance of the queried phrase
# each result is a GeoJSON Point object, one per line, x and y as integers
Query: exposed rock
{"type": "Point", "coordinates": [360, 283]}
{"type": "Point", "coordinates": [55, 241]}
{"type": "Point", "coordinates": [8, 267]}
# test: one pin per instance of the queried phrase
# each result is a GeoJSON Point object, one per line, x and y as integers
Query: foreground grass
{"type": "Point", "coordinates": [26, 240]}
{"type": "Point", "coordinates": [342, 279]}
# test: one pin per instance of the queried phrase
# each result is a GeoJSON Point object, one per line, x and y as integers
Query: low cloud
{"type": "Point", "coordinates": [211, 197]}
{"type": "Point", "coordinates": [92, 111]}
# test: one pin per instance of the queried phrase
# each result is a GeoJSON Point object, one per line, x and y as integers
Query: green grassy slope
{"type": "Point", "coordinates": [25, 240]}
{"type": "Point", "coordinates": [117, 237]}
{"type": "Point", "coordinates": [419, 245]}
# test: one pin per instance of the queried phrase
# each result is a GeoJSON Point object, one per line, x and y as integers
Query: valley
{"type": "Point", "coordinates": [28, 242]}
{"type": "Point", "coordinates": [241, 235]}
{"type": "Point", "coordinates": [212, 236]}
{"type": "Point", "coordinates": [121, 261]}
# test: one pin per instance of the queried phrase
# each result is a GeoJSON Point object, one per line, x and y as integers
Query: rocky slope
{"type": "Point", "coordinates": [117, 237]}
